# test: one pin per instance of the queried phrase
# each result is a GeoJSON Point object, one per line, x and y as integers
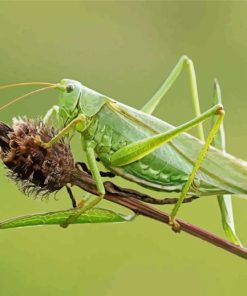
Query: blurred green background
{"type": "Point", "coordinates": [125, 50]}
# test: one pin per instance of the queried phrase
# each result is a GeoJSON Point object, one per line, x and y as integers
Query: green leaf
{"type": "Point", "coordinates": [95, 215]}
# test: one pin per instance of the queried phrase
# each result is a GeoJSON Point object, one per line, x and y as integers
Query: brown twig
{"type": "Point", "coordinates": [114, 194]}
{"type": "Point", "coordinates": [44, 171]}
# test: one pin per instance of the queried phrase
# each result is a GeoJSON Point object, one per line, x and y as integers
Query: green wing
{"type": "Point", "coordinates": [219, 169]}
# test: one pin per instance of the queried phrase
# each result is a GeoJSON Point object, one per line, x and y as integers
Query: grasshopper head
{"type": "Point", "coordinates": [76, 98]}
{"type": "Point", "coordinates": [70, 91]}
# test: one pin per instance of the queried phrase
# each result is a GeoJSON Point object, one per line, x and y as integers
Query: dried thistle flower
{"type": "Point", "coordinates": [37, 171]}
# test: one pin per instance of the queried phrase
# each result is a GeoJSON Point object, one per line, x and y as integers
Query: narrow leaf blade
{"type": "Point", "coordinates": [95, 215]}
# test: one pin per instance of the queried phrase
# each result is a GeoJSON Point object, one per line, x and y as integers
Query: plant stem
{"type": "Point", "coordinates": [115, 194]}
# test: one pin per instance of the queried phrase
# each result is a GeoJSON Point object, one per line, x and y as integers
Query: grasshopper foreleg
{"type": "Point", "coordinates": [52, 114]}
{"type": "Point", "coordinates": [81, 119]}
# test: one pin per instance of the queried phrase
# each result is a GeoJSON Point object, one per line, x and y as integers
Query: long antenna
{"type": "Point", "coordinates": [28, 94]}
{"type": "Point", "coordinates": [25, 84]}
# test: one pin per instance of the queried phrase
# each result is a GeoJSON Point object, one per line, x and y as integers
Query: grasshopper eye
{"type": "Point", "coordinates": [69, 88]}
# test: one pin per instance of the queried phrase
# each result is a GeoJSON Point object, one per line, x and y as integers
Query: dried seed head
{"type": "Point", "coordinates": [37, 171]}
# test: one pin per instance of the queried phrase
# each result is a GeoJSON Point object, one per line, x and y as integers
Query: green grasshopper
{"type": "Point", "coordinates": [141, 148]}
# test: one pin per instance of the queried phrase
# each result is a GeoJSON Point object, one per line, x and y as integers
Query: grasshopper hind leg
{"type": "Point", "coordinates": [183, 63]}
{"type": "Point", "coordinates": [219, 141]}
{"type": "Point", "coordinates": [196, 167]}
{"type": "Point", "coordinates": [224, 201]}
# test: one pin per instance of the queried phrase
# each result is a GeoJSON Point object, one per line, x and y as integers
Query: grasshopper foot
{"type": "Point", "coordinates": [175, 226]}
{"type": "Point", "coordinates": [39, 142]}
{"type": "Point", "coordinates": [80, 205]}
